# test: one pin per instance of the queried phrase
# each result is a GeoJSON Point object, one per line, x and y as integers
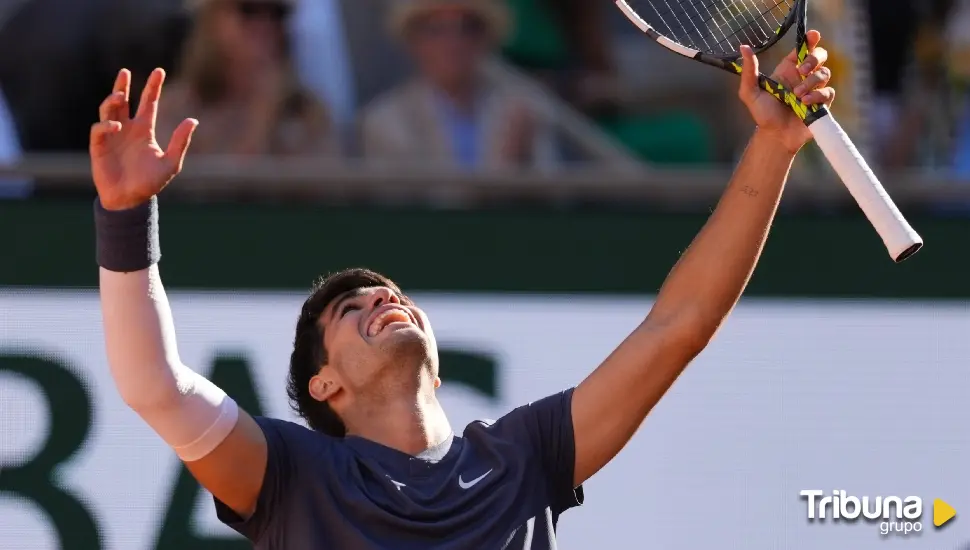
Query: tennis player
{"type": "Point", "coordinates": [380, 467]}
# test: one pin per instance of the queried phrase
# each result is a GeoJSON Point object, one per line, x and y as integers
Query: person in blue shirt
{"type": "Point", "coordinates": [379, 466]}
{"type": "Point", "coordinates": [464, 115]}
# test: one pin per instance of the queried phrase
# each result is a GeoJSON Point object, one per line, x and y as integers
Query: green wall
{"type": "Point", "coordinates": [516, 249]}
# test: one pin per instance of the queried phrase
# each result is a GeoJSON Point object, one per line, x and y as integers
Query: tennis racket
{"type": "Point", "coordinates": [712, 32]}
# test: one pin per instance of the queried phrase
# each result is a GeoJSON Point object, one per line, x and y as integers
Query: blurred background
{"type": "Point", "coordinates": [529, 170]}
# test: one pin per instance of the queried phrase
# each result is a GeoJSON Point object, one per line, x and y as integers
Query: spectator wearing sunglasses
{"type": "Point", "coordinates": [451, 114]}
{"type": "Point", "coordinates": [236, 77]}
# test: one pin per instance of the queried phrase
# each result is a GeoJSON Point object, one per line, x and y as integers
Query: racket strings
{"type": "Point", "coordinates": [757, 24]}
{"type": "Point", "coordinates": [718, 26]}
{"type": "Point", "coordinates": [761, 20]}
{"type": "Point", "coordinates": [712, 18]}
{"type": "Point", "coordinates": [709, 19]}
{"type": "Point", "coordinates": [729, 23]}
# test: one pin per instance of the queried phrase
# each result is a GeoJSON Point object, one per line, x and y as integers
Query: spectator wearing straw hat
{"type": "Point", "coordinates": [237, 78]}
{"type": "Point", "coordinates": [451, 114]}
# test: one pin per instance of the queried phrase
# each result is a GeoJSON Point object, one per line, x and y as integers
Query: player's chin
{"type": "Point", "coordinates": [404, 345]}
{"type": "Point", "coordinates": [398, 333]}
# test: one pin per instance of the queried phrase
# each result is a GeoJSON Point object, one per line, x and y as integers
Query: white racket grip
{"type": "Point", "coordinates": [898, 236]}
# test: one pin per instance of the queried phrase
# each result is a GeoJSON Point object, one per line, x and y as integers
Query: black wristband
{"type": "Point", "coordinates": [127, 240]}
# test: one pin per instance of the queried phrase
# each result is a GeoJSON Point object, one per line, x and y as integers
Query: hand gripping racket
{"type": "Point", "coordinates": [712, 32]}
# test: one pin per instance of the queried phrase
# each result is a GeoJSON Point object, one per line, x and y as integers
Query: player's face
{"type": "Point", "coordinates": [372, 335]}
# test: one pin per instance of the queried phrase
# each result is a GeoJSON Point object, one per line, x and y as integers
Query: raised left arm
{"type": "Point", "coordinates": [703, 287]}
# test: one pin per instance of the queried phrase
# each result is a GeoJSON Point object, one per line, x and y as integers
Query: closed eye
{"type": "Point", "coordinates": [347, 308]}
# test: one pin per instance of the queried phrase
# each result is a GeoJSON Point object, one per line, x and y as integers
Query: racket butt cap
{"type": "Point", "coordinates": [908, 252]}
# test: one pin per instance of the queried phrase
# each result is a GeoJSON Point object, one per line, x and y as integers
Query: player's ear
{"type": "Point", "coordinates": [437, 382]}
{"type": "Point", "coordinates": [323, 385]}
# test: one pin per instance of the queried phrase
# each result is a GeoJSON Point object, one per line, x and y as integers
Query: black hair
{"type": "Point", "coordinates": [309, 353]}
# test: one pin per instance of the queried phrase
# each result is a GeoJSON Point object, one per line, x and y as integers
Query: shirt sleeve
{"type": "Point", "coordinates": [281, 465]}
{"type": "Point", "coordinates": [547, 426]}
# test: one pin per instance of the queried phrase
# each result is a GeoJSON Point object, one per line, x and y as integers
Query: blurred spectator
{"type": "Point", "coordinates": [236, 77]}
{"type": "Point", "coordinates": [844, 25]}
{"type": "Point", "coordinates": [46, 71]}
{"type": "Point", "coordinates": [958, 63]}
{"type": "Point", "coordinates": [65, 52]}
{"type": "Point", "coordinates": [342, 59]}
{"type": "Point", "coordinates": [140, 36]}
{"type": "Point", "coordinates": [451, 113]}
{"type": "Point", "coordinates": [9, 153]}
{"type": "Point", "coordinates": [914, 115]}
{"type": "Point", "coordinates": [321, 54]}
{"type": "Point", "coordinates": [567, 44]}
{"type": "Point", "coordinates": [893, 26]}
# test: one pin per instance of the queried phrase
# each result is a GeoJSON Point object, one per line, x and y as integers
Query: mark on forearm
{"type": "Point", "coordinates": [749, 191]}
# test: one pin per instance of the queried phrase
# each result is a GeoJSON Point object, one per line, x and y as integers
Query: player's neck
{"type": "Point", "coordinates": [408, 424]}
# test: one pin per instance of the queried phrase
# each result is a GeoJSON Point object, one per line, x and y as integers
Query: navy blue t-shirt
{"type": "Point", "coordinates": [501, 485]}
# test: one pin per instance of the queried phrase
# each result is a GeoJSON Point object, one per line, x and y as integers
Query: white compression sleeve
{"type": "Point", "coordinates": [189, 412]}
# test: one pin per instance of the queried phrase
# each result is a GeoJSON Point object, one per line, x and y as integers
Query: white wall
{"type": "Point", "coordinates": [869, 397]}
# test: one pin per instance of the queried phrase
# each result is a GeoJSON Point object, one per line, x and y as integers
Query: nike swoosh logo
{"type": "Point", "coordinates": [469, 484]}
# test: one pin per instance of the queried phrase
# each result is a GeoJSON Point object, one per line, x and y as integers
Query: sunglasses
{"type": "Point", "coordinates": [467, 26]}
{"type": "Point", "coordinates": [276, 11]}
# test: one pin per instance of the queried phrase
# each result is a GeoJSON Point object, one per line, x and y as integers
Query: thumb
{"type": "Point", "coordinates": [749, 75]}
{"type": "Point", "coordinates": [179, 144]}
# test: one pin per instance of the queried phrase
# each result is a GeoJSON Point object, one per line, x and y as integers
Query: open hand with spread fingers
{"type": "Point", "coordinates": [127, 163]}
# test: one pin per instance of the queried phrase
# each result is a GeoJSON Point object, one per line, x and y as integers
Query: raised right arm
{"type": "Point", "coordinates": [221, 445]}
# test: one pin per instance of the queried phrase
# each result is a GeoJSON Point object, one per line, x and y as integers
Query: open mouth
{"type": "Point", "coordinates": [387, 318]}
